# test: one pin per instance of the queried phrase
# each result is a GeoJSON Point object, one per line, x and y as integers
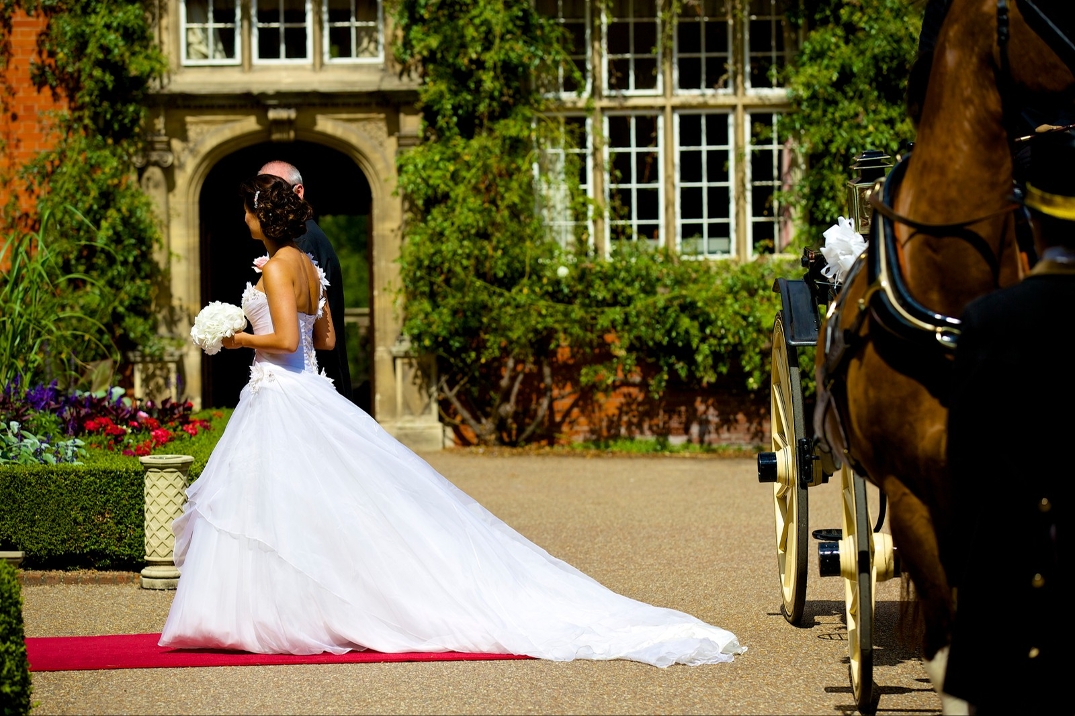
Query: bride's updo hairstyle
{"type": "Point", "coordinates": [281, 212]}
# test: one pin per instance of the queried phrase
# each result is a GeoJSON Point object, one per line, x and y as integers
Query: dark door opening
{"type": "Point", "coordinates": [340, 195]}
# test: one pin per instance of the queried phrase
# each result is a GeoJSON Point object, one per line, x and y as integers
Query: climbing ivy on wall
{"type": "Point", "coordinates": [100, 59]}
{"type": "Point", "coordinates": [848, 86]}
{"type": "Point", "coordinates": [502, 306]}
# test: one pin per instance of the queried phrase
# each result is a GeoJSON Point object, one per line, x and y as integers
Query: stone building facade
{"type": "Point", "coordinates": [677, 129]}
{"type": "Point", "coordinates": [260, 76]}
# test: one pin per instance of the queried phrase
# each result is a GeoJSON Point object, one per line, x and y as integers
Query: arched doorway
{"type": "Point", "coordinates": [340, 195]}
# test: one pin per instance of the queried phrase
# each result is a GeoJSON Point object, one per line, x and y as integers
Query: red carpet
{"type": "Point", "coordinates": [140, 651]}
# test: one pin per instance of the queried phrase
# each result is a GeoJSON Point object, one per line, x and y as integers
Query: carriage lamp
{"type": "Point", "coordinates": [869, 166]}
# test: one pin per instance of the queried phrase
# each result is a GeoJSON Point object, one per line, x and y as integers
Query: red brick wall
{"type": "Point", "coordinates": [23, 123]}
{"type": "Point", "coordinates": [724, 414]}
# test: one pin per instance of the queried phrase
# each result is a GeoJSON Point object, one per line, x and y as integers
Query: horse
{"type": "Point", "coordinates": [943, 235]}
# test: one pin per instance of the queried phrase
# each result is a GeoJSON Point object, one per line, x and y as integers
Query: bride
{"type": "Point", "coordinates": [312, 530]}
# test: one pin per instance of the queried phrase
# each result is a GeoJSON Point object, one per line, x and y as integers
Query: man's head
{"type": "Point", "coordinates": [1050, 193]}
{"type": "Point", "coordinates": [287, 172]}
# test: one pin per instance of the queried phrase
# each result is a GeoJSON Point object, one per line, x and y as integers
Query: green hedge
{"type": "Point", "coordinates": [14, 670]}
{"type": "Point", "coordinates": [86, 516]}
{"type": "Point", "coordinates": [69, 516]}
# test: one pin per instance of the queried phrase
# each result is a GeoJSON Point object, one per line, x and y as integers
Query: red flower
{"type": "Point", "coordinates": [160, 436]}
{"type": "Point", "coordinates": [91, 425]}
{"type": "Point", "coordinates": [134, 425]}
{"type": "Point", "coordinates": [128, 452]}
{"type": "Point", "coordinates": [142, 449]}
{"type": "Point", "coordinates": [190, 429]}
{"type": "Point", "coordinates": [151, 423]}
{"type": "Point", "coordinates": [115, 430]}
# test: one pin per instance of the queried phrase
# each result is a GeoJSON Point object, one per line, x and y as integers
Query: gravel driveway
{"type": "Point", "coordinates": [694, 534]}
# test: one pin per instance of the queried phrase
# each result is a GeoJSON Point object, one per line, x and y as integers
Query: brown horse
{"type": "Point", "coordinates": [889, 394]}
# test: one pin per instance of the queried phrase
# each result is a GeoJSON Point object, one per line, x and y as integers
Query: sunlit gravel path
{"type": "Point", "coordinates": [689, 533]}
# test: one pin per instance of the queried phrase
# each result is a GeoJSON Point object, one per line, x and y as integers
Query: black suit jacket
{"type": "Point", "coordinates": [1007, 549]}
{"type": "Point", "coordinates": [315, 243]}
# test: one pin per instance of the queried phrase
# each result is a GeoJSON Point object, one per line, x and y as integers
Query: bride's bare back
{"type": "Point", "coordinates": [292, 285]}
{"type": "Point", "coordinates": [306, 282]}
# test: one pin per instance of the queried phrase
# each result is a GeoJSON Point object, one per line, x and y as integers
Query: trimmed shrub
{"type": "Point", "coordinates": [15, 684]}
{"type": "Point", "coordinates": [72, 516]}
{"type": "Point", "coordinates": [86, 516]}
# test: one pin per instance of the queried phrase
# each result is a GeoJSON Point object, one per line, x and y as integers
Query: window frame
{"type": "Point", "coordinates": [587, 89]}
{"type": "Point", "coordinates": [729, 115]}
{"type": "Point", "coordinates": [777, 183]}
{"type": "Point", "coordinates": [210, 62]}
{"type": "Point", "coordinates": [607, 148]}
{"type": "Point", "coordinates": [254, 45]}
{"type": "Point", "coordinates": [558, 228]}
{"type": "Point", "coordinates": [658, 89]}
{"type": "Point", "coordinates": [729, 29]}
{"type": "Point", "coordinates": [376, 60]}
{"type": "Point", "coordinates": [775, 18]}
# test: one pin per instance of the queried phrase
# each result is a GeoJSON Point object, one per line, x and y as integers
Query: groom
{"type": "Point", "coordinates": [315, 243]}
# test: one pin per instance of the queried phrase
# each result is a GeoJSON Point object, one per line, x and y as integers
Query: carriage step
{"type": "Point", "coordinates": [828, 535]}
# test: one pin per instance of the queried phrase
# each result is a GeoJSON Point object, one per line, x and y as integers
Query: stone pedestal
{"type": "Point", "coordinates": [415, 421]}
{"type": "Point", "coordinates": [166, 482]}
{"type": "Point", "coordinates": [12, 558]}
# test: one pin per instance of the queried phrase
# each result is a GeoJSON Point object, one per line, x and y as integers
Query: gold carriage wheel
{"type": "Point", "coordinates": [789, 496]}
{"type": "Point", "coordinates": [859, 582]}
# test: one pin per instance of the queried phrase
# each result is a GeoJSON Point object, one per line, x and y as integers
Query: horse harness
{"type": "Point", "coordinates": [887, 299]}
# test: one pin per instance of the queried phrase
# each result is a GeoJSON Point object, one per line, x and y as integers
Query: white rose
{"type": "Point", "coordinates": [215, 322]}
{"type": "Point", "coordinates": [562, 272]}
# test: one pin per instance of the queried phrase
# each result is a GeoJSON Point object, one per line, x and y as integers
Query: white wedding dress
{"type": "Point", "coordinates": [313, 530]}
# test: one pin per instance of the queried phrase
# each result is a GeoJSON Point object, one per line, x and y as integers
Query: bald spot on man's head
{"type": "Point", "coordinates": [287, 172]}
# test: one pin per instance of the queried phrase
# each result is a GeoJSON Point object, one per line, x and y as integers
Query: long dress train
{"type": "Point", "coordinates": [313, 530]}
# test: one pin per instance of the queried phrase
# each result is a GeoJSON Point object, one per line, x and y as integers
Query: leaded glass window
{"type": "Point", "coordinates": [632, 52]}
{"type": "Point", "coordinates": [769, 227]}
{"type": "Point", "coordinates": [210, 32]}
{"type": "Point", "coordinates": [353, 30]}
{"type": "Point", "coordinates": [634, 177]}
{"type": "Point", "coordinates": [574, 17]}
{"type": "Point", "coordinates": [705, 210]}
{"type": "Point", "coordinates": [766, 54]}
{"type": "Point", "coordinates": [570, 153]}
{"type": "Point", "coordinates": [282, 30]}
{"type": "Point", "coordinates": [703, 43]}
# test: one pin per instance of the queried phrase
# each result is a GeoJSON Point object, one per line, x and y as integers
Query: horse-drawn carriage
{"type": "Point", "coordinates": [945, 234]}
{"type": "Point", "coordinates": [858, 552]}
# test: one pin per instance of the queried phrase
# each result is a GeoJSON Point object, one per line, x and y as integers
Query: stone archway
{"type": "Point", "coordinates": [402, 399]}
{"type": "Point", "coordinates": [340, 195]}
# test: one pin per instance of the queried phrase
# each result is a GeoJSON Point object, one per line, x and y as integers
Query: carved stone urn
{"type": "Point", "coordinates": [166, 482]}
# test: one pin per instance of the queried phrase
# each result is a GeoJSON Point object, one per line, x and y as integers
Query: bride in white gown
{"type": "Point", "coordinates": [313, 530]}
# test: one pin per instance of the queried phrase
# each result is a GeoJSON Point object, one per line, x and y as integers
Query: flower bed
{"type": "Point", "coordinates": [90, 514]}
{"type": "Point", "coordinates": [43, 424]}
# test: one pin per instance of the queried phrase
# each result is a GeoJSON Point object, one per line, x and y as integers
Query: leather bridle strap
{"type": "Point", "coordinates": [1005, 85]}
{"type": "Point", "coordinates": [957, 230]}
{"type": "Point", "coordinates": [923, 227]}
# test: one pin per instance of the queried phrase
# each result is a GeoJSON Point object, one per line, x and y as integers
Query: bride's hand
{"type": "Point", "coordinates": [233, 341]}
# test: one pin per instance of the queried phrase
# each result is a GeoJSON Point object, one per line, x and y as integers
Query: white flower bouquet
{"type": "Point", "coordinates": [842, 247]}
{"type": "Point", "coordinates": [216, 322]}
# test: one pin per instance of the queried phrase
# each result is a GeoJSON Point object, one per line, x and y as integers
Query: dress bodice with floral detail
{"type": "Point", "coordinates": [304, 359]}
